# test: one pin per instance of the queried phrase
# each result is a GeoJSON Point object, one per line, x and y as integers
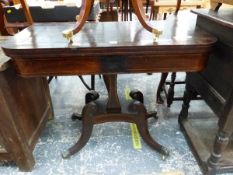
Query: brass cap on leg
{"type": "Point", "coordinates": [68, 34]}
{"type": "Point", "coordinates": [156, 33]}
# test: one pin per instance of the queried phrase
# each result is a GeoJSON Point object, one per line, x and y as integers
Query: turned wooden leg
{"type": "Point", "coordinates": [189, 94]}
{"type": "Point", "coordinates": [170, 94]}
{"type": "Point", "coordinates": [142, 125]}
{"type": "Point", "coordinates": [163, 78]}
{"type": "Point", "coordinates": [221, 141]}
{"type": "Point", "coordinates": [88, 111]}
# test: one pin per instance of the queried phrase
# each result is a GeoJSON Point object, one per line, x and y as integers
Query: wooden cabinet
{"type": "Point", "coordinates": [25, 106]}
{"type": "Point", "coordinates": [211, 138]}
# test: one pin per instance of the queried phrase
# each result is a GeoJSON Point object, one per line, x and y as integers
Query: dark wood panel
{"type": "Point", "coordinates": [219, 69]}
{"type": "Point", "coordinates": [43, 52]}
{"type": "Point", "coordinates": [208, 92]}
{"type": "Point", "coordinates": [115, 36]}
{"type": "Point", "coordinates": [106, 64]}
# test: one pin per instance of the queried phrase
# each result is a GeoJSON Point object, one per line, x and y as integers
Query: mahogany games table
{"type": "Point", "coordinates": [111, 48]}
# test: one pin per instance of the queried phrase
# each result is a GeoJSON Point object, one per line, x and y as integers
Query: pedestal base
{"type": "Point", "coordinates": [112, 110]}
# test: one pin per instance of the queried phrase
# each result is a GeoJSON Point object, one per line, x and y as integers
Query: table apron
{"type": "Point", "coordinates": [110, 64]}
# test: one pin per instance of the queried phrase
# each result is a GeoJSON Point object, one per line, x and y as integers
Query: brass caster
{"type": "Point", "coordinates": [68, 34]}
{"type": "Point", "coordinates": [65, 154]}
{"type": "Point", "coordinates": [164, 153]}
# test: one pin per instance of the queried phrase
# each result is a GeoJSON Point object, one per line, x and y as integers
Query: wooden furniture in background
{"type": "Point", "coordinates": [211, 137]}
{"type": "Point", "coordinates": [170, 7]}
{"type": "Point", "coordinates": [25, 106]}
{"type": "Point", "coordinates": [216, 4]}
{"type": "Point", "coordinates": [12, 28]}
{"type": "Point", "coordinates": [86, 7]}
{"type": "Point", "coordinates": [3, 30]}
{"type": "Point", "coordinates": [167, 7]}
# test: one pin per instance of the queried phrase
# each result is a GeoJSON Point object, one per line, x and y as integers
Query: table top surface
{"type": "Point", "coordinates": [223, 16]}
{"type": "Point", "coordinates": [110, 47]}
{"type": "Point", "coordinates": [113, 37]}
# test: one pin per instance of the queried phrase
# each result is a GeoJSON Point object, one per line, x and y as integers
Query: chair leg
{"type": "Point", "coordinates": [92, 82]}
{"type": "Point", "coordinates": [86, 85]}
{"type": "Point", "coordinates": [152, 13]}
{"type": "Point", "coordinates": [163, 78]}
{"type": "Point", "coordinates": [170, 95]}
{"type": "Point", "coordinates": [217, 7]}
{"type": "Point", "coordinates": [51, 78]}
{"type": "Point", "coordinates": [147, 5]}
{"type": "Point", "coordinates": [165, 16]}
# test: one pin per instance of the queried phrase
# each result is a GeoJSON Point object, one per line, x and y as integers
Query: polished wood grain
{"type": "Point", "coordinates": [113, 47]}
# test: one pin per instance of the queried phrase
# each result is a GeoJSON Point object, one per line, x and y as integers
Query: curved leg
{"type": "Point", "coordinates": [84, 83]}
{"type": "Point", "coordinates": [88, 112]}
{"type": "Point", "coordinates": [163, 78]}
{"type": "Point", "coordinates": [139, 11]}
{"type": "Point", "coordinates": [90, 96]}
{"type": "Point", "coordinates": [137, 95]}
{"type": "Point", "coordinates": [142, 125]}
{"type": "Point", "coordinates": [82, 18]}
{"type": "Point", "coordinates": [170, 94]}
